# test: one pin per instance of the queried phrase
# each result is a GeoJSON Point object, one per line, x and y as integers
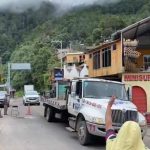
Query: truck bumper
{"type": "Point", "coordinates": [143, 130]}
{"type": "Point", "coordinates": [99, 130]}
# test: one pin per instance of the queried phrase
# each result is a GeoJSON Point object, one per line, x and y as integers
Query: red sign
{"type": "Point", "coordinates": [137, 77]}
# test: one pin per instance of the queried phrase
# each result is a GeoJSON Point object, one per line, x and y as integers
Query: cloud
{"type": "Point", "coordinates": [19, 5]}
{"type": "Point", "coordinates": [22, 5]}
{"type": "Point", "coordinates": [72, 3]}
{"type": "Point", "coordinates": [62, 6]}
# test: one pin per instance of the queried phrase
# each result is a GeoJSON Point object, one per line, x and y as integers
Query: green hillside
{"type": "Point", "coordinates": [27, 37]}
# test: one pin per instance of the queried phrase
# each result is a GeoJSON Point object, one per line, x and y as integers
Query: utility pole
{"type": "Point", "coordinates": [1, 71]}
{"type": "Point", "coordinates": [70, 46]}
{"type": "Point", "coordinates": [60, 42]}
{"type": "Point", "coordinates": [8, 80]}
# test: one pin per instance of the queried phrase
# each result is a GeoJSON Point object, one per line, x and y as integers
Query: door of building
{"type": "Point", "coordinates": [139, 98]}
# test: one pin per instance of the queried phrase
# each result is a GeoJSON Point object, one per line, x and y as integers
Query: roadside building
{"type": "Point", "coordinates": [126, 57]}
{"type": "Point", "coordinates": [74, 58]}
{"type": "Point", "coordinates": [75, 65]}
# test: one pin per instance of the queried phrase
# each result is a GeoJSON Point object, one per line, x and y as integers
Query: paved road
{"type": "Point", "coordinates": [35, 133]}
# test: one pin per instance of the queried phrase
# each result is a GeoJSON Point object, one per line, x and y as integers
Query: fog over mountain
{"type": "Point", "coordinates": [72, 3]}
{"type": "Point", "coordinates": [19, 5]}
{"type": "Point", "coordinates": [22, 5]}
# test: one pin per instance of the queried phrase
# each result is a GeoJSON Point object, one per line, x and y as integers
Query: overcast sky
{"type": "Point", "coordinates": [21, 5]}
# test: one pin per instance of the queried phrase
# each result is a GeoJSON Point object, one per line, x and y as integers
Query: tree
{"type": "Point", "coordinates": [97, 34]}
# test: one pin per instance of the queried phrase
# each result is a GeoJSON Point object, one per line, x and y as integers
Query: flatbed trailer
{"type": "Point", "coordinates": [58, 104]}
{"type": "Point", "coordinates": [54, 108]}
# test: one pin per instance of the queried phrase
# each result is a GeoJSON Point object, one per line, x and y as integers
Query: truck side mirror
{"type": "Point", "coordinates": [129, 93]}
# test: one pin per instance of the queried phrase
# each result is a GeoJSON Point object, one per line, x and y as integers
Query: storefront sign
{"type": "Point", "coordinates": [137, 77]}
{"type": "Point", "coordinates": [58, 74]}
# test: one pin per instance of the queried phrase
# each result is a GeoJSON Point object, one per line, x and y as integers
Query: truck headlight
{"type": "Point", "coordinates": [143, 123]}
{"type": "Point", "coordinates": [97, 120]}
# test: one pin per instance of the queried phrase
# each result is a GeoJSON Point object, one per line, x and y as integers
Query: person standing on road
{"type": "Point", "coordinates": [129, 136]}
{"type": "Point", "coordinates": [5, 105]}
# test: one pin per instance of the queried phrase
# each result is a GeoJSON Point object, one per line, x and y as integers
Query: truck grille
{"type": "Point", "coordinates": [121, 116]}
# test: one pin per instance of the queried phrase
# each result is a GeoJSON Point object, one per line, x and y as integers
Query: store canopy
{"type": "Point", "coordinates": [135, 30]}
{"type": "Point", "coordinates": [140, 31]}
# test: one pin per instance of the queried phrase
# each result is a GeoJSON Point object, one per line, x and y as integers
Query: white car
{"type": "Point", "coordinates": [4, 98]}
{"type": "Point", "coordinates": [31, 97]}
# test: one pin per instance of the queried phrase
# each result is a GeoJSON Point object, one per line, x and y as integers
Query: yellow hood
{"type": "Point", "coordinates": [128, 138]}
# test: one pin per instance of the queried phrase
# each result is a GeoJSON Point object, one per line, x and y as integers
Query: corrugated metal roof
{"type": "Point", "coordinates": [100, 46]}
{"type": "Point", "coordinates": [135, 30]}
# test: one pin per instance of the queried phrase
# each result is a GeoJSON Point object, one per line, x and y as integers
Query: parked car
{"type": "Point", "coordinates": [4, 97]}
{"type": "Point", "coordinates": [31, 98]}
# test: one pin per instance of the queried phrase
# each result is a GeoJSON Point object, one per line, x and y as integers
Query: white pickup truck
{"type": "Point", "coordinates": [83, 102]}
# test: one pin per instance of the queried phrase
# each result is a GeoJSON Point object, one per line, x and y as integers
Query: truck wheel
{"type": "Point", "coordinates": [50, 114]}
{"type": "Point", "coordinates": [83, 134]}
{"type": "Point", "coordinates": [45, 111]}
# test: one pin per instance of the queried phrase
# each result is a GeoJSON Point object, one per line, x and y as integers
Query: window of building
{"type": "Point", "coordinates": [146, 62]}
{"type": "Point", "coordinates": [106, 57]}
{"type": "Point", "coordinates": [96, 60]}
{"type": "Point", "coordinates": [114, 47]}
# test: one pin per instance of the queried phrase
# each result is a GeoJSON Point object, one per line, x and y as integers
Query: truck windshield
{"type": "Point", "coordinates": [99, 89]}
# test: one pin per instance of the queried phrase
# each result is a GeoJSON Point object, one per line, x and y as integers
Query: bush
{"type": "Point", "coordinates": [19, 93]}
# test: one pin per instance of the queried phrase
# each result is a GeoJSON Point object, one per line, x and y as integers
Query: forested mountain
{"type": "Point", "coordinates": [14, 27]}
{"type": "Point", "coordinates": [27, 36]}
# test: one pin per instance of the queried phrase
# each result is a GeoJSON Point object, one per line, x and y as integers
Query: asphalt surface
{"type": "Point", "coordinates": [33, 132]}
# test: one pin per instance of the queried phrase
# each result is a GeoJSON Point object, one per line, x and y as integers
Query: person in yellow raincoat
{"type": "Point", "coordinates": [129, 136]}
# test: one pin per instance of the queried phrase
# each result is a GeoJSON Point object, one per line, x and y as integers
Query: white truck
{"type": "Point", "coordinates": [28, 88]}
{"type": "Point", "coordinates": [83, 102]}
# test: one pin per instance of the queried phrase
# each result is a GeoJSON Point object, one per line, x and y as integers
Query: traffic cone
{"type": "Point", "coordinates": [29, 110]}
{"type": "Point", "coordinates": [1, 114]}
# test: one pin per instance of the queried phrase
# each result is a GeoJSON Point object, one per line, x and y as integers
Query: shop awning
{"type": "Point", "coordinates": [135, 30]}
{"type": "Point", "coordinates": [140, 31]}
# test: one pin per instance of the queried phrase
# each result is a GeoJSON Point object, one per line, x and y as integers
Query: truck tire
{"type": "Point", "coordinates": [38, 104]}
{"type": "Point", "coordinates": [82, 132]}
{"type": "Point", "coordinates": [50, 114]}
{"type": "Point", "coordinates": [45, 111]}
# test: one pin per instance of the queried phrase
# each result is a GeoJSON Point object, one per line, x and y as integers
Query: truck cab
{"type": "Point", "coordinates": [87, 103]}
